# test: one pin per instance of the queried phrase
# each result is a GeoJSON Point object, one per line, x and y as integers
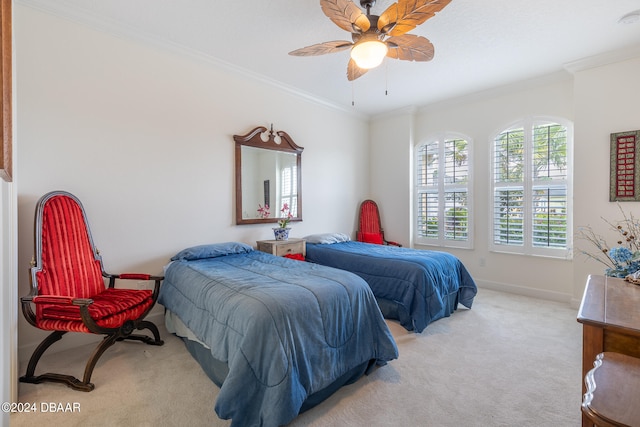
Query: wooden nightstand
{"type": "Point", "coordinates": [283, 247]}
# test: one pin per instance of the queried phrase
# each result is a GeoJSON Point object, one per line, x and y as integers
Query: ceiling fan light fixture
{"type": "Point", "coordinates": [373, 35]}
{"type": "Point", "coordinates": [369, 53]}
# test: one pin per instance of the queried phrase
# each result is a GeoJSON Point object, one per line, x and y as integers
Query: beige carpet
{"type": "Point", "coordinates": [509, 361]}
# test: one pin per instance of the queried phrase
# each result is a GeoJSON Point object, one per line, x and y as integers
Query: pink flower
{"type": "Point", "coordinates": [263, 211]}
{"type": "Point", "coordinates": [287, 216]}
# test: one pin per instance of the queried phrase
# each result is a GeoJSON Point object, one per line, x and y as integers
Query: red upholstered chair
{"type": "Point", "coordinates": [69, 289]}
{"type": "Point", "coordinates": [369, 228]}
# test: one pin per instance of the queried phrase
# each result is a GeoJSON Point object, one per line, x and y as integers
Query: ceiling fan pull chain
{"type": "Point", "coordinates": [353, 102]}
{"type": "Point", "coordinates": [386, 78]}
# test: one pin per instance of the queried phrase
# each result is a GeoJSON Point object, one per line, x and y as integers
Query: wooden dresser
{"type": "Point", "coordinates": [613, 386]}
{"type": "Point", "coordinates": [283, 247]}
{"type": "Point", "coordinates": [610, 317]}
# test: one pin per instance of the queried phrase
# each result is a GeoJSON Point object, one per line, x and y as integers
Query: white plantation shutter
{"type": "Point", "coordinates": [508, 216]}
{"type": "Point", "coordinates": [456, 218]}
{"type": "Point", "coordinates": [550, 203]}
{"type": "Point", "coordinates": [442, 192]}
{"type": "Point", "coordinates": [531, 189]}
{"type": "Point", "coordinates": [550, 217]}
{"type": "Point", "coordinates": [428, 214]}
{"type": "Point", "coordinates": [289, 190]}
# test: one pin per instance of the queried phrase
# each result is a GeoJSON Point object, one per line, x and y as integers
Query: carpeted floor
{"type": "Point", "coordinates": [509, 361]}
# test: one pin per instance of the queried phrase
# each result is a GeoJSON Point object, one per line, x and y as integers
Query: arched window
{"type": "Point", "coordinates": [442, 192]}
{"type": "Point", "coordinates": [531, 188]}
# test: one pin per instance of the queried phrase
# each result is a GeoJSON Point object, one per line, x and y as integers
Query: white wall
{"type": "Point", "coordinates": [390, 176]}
{"type": "Point", "coordinates": [143, 136]}
{"type": "Point", "coordinates": [8, 314]}
{"type": "Point", "coordinates": [606, 102]}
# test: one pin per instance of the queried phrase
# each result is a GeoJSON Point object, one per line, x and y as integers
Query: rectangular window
{"type": "Point", "coordinates": [442, 193]}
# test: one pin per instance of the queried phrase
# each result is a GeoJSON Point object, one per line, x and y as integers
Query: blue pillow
{"type": "Point", "coordinates": [212, 251]}
{"type": "Point", "coordinates": [327, 238]}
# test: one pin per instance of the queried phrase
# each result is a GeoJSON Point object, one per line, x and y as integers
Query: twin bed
{"type": "Point", "coordinates": [412, 286]}
{"type": "Point", "coordinates": [278, 336]}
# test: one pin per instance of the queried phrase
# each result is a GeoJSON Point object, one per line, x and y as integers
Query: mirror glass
{"type": "Point", "coordinates": [267, 177]}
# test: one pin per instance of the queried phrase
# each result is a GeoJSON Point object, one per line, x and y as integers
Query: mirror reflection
{"type": "Point", "coordinates": [268, 177]}
{"type": "Point", "coordinates": [269, 182]}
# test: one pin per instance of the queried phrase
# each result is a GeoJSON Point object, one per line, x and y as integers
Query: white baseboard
{"type": "Point", "coordinates": [529, 292]}
{"type": "Point", "coordinates": [73, 340]}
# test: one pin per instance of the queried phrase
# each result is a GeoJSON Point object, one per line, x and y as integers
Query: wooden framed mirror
{"type": "Point", "coordinates": [268, 172]}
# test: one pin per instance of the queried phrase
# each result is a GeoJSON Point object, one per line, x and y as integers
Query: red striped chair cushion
{"type": "Point", "coordinates": [114, 321]}
{"type": "Point", "coordinates": [107, 303]}
{"type": "Point", "coordinates": [371, 238]}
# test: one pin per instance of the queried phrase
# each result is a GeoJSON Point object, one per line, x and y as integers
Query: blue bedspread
{"type": "Point", "coordinates": [285, 328]}
{"type": "Point", "coordinates": [413, 286]}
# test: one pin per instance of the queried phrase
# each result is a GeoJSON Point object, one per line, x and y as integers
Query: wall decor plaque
{"type": "Point", "coordinates": [624, 184]}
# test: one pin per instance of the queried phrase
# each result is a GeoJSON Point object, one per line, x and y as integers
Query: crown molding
{"type": "Point", "coordinates": [63, 10]}
{"type": "Point", "coordinates": [603, 59]}
{"type": "Point", "coordinates": [409, 110]}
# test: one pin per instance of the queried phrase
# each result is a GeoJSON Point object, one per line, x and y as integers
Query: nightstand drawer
{"type": "Point", "coordinates": [283, 247]}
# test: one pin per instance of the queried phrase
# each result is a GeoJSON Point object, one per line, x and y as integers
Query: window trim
{"type": "Point", "coordinates": [528, 123]}
{"type": "Point", "coordinates": [441, 137]}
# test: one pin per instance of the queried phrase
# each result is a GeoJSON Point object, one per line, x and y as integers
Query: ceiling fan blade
{"type": "Point", "coordinates": [322, 48]}
{"type": "Point", "coordinates": [410, 48]}
{"type": "Point", "coordinates": [405, 15]}
{"type": "Point", "coordinates": [353, 71]}
{"type": "Point", "coordinates": [346, 15]}
{"type": "Point", "coordinates": [388, 19]}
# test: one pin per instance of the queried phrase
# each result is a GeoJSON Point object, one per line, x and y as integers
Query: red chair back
{"type": "Point", "coordinates": [67, 263]}
{"type": "Point", "coordinates": [369, 228]}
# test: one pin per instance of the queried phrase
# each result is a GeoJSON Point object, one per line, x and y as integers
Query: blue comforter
{"type": "Point", "coordinates": [285, 328]}
{"type": "Point", "coordinates": [413, 286]}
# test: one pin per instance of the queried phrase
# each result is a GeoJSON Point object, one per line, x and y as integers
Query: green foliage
{"type": "Point", "coordinates": [549, 153]}
{"type": "Point", "coordinates": [456, 223]}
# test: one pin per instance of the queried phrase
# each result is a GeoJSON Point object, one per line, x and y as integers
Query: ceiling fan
{"type": "Point", "coordinates": [375, 37]}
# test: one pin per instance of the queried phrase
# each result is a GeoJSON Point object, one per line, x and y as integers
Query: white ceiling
{"type": "Point", "coordinates": [478, 44]}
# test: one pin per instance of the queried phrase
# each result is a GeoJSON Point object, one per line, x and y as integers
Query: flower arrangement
{"type": "Point", "coordinates": [263, 211]}
{"type": "Point", "coordinates": [286, 212]}
{"type": "Point", "coordinates": [623, 259]}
